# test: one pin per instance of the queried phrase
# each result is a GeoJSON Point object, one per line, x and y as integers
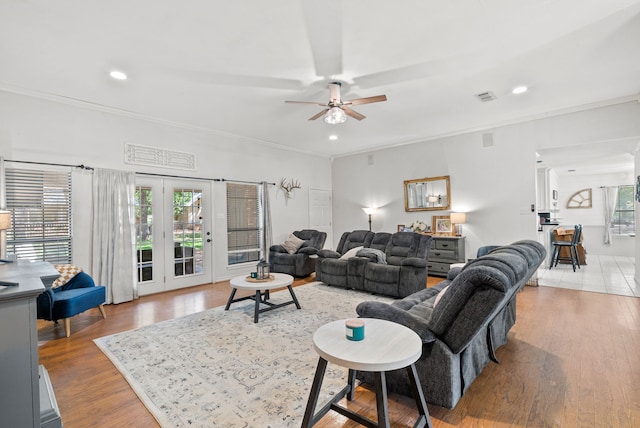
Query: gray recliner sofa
{"type": "Point", "coordinates": [461, 321]}
{"type": "Point", "coordinates": [390, 264]}
{"type": "Point", "coordinates": [301, 263]}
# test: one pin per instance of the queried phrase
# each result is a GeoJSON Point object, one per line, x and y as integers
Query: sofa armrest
{"type": "Point", "coordinates": [415, 262]}
{"type": "Point", "coordinates": [81, 280]}
{"type": "Point", "coordinates": [329, 254]}
{"type": "Point", "coordinates": [307, 250]}
{"type": "Point", "coordinates": [277, 248]}
{"type": "Point", "coordinates": [453, 272]}
{"type": "Point", "coordinates": [385, 311]}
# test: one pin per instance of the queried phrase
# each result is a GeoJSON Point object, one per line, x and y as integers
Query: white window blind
{"type": "Point", "coordinates": [243, 223]}
{"type": "Point", "coordinates": [40, 205]}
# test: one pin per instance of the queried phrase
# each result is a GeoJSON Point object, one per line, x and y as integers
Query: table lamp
{"type": "Point", "coordinates": [458, 219]}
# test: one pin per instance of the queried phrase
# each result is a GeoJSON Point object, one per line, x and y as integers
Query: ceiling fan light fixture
{"type": "Point", "coordinates": [335, 115]}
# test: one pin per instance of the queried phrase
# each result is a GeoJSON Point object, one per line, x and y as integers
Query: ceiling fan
{"type": "Point", "coordinates": [336, 110]}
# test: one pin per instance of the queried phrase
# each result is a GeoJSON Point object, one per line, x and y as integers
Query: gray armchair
{"type": "Point", "coordinates": [300, 263]}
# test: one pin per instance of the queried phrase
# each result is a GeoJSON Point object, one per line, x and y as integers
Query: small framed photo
{"type": "Point", "coordinates": [442, 225]}
{"type": "Point", "coordinates": [401, 227]}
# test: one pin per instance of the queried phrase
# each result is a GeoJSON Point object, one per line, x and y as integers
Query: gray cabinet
{"type": "Point", "coordinates": [19, 379]}
{"type": "Point", "coordinates": [444, 251]}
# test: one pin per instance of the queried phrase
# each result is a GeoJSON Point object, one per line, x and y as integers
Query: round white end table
{"type": "Point", "coordinates": [261, 289]}
{"type": "Point", "coordinates": [386, 346]}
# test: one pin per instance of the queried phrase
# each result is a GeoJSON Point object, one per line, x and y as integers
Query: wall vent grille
{"type": "Point", "coordinates": [144, 155]}
{"type": "Point", "coordinates": [486, 96]}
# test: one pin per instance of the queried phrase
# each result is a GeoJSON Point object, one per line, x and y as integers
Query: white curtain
{"type": "Point", "coordinates": [267, 233]}
{"type": "Point", "coordinates": [113, 227]}
{"type": "Point", "coordinates": [610, 202]}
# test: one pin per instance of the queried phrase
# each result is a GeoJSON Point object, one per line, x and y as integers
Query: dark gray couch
{"type": "Point", "coordinates": [393, 264]}
{"type": "Point", "coordinates": [470, 321]}
{"type": "Point", "coordinates": [301, 263]}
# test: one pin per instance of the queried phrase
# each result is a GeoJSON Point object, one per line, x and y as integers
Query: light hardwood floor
{"type": "Point", "coordinates": [572, 360]}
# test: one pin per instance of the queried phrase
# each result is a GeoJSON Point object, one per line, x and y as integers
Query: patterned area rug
{"type": "Point", "coordinates": [218, 368]}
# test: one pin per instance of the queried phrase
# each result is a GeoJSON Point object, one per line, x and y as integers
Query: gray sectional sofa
{"type": "Point", "coordinates": [393, 264]}
{"type": "Point", "coordinates": [462, 328]}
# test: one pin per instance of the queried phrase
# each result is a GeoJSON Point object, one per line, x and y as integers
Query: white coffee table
{"type": "Point", "coordinates": [386, 346]}
{"type": "Point", "coordinates": [261, 289]}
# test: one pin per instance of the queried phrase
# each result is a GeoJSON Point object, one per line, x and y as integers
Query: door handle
{"type": "Point", "coordinates": [208, 239]}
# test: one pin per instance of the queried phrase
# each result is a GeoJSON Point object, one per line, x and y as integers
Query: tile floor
{"type": "Point", "coordinates": [601, 274]}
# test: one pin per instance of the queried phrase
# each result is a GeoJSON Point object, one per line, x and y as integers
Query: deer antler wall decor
{"type": "Point", "coordinates": [289, 187]}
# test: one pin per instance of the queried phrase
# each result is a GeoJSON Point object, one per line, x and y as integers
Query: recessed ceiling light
{"type": "Point", "coordinates": [333, 137]}
{"type": "Point", "coordinates": [519, 90]}
{"type": "Point", "coordinates": [118, 75]}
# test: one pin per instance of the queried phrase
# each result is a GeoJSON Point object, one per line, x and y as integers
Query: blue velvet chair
{"type": "Point", "coordinates": [71, 299]}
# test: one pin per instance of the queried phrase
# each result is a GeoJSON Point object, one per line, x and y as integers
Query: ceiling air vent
{"type": "Point", "coordinates": [486, 96]}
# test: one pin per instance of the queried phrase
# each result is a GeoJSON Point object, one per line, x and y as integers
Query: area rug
{"type": "Point", "coordinates": [218, 368]}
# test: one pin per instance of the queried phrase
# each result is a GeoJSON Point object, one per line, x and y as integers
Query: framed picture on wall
{"type": "Point", "coordinates": [442, 225]}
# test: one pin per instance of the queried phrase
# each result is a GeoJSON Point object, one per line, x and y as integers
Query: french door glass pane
{"type": "Point", "coordinates": [144, 233]}
{"type": "Point", "coordinates": [187, 231]}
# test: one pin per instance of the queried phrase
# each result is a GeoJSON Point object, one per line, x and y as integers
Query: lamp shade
{"type": "Point", "coordinates": [458, 218]}
{"type": "Point", "coordinates": [5, 220]}
{"type": "Point", "coordinates": [369, 210]}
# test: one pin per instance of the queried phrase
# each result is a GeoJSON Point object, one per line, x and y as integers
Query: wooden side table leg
{"type": "Point", "coordinates": [381, 399]}
{"type": "Point", "coordinates": [423, 420]}
{"type": "Point", "coordinates": [308, 420]}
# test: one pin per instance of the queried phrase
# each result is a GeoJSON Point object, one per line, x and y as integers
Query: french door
{"type": "Point", "coordinates": [174, 241]}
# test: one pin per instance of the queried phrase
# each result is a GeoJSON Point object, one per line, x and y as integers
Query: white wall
{"type": "Point", "coordinates": [44, 131]}
{"type": "Point", "coordinates": [494, 185]}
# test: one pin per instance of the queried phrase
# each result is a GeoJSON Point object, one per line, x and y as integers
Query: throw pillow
{"type": "Point", "coordinates": [66, 273]}
{"type": "Point", "coordinates": [439, 296]}
{"type": "Point", "coordinates": [292, 244]}
{"type": "Point", "coordinates": [351, 253]}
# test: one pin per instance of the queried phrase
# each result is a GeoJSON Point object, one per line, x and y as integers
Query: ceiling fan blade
{"type": "Point", "coordinates": [306, 102]}
{"type": "Point", "coordinates": [352, 113]}
{"type": "Point", "coordinates": [323, 21]}
{"type": "Point", "coordinates": [319, 114]}
{"type": "Point", "coordinates": [366, 100]}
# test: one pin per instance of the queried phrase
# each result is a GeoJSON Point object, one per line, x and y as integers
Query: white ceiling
{"type": "Point", "coordinates": [228, 66]}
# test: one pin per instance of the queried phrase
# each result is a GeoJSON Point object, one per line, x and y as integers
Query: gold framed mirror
{"type": "Point", "coordinates": [427, 194]}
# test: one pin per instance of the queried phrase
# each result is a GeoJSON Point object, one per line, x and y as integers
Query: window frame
{"type": "Point", "coordinates": [617, 224]}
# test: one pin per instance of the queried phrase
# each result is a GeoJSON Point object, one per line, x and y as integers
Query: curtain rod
{"type": "Point", "coordinates": [52, 164]}
{"type": "Point", "coordinates": [201, 178]}
{"type": "Point", "coordinates": [141, 173]}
